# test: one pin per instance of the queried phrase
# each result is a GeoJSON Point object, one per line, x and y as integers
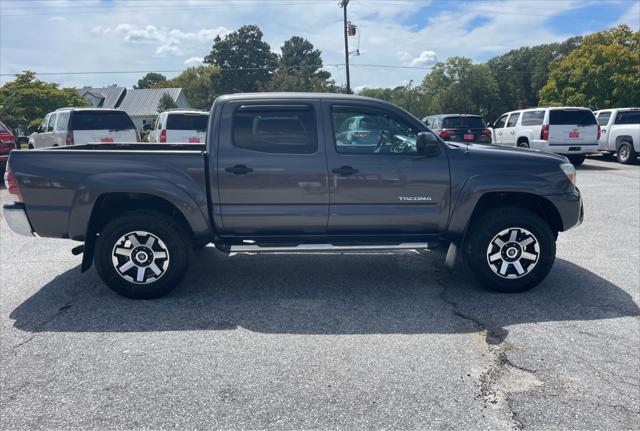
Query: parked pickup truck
{"type": "Point", "coordinates": [277, 175]}
{"type": "Point", "coordinates": [620, 133]}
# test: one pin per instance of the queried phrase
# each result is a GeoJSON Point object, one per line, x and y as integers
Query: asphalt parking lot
{"type": "Point", "coordinates": [332, 341]}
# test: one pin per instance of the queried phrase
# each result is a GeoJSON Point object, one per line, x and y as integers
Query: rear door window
{"type": "Point", "coordinates": [187, 122]}
{"type": "Point", "coordinates": [571, 117]}
{"type": "Point", "coordinates": [532, 118]}
{"type": "Point", "coordinates": [101, 120]}
{"type": "Point", "coordinates": [463, 123]}
{"type": "Point", "coordinates": [52, 122]}
{"type": "Point", "coordinates": [603, 118]}
{"type": "Point", "coordinates": [63, 121]}
{"type": "Point", "coordinates": [513, 119]}
{"type": "Point", "coordinates": [276, 129]}
{"type": "Point", "coordinates": [628, 117]}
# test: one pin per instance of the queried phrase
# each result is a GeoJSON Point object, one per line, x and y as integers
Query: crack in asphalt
{"type": "Point", "coordinates": [501, 377]}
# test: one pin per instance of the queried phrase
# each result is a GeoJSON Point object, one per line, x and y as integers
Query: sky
{"type": "Point", "coordinates": [399, 40]}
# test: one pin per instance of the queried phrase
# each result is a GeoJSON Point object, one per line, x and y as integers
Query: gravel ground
{"type": "Point", "coordinates": [332, 341]}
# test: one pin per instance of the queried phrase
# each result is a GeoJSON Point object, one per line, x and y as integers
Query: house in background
{"type": "Point", "coordinates": [107, 97]}
{"type": "Point", "coordinates": [140, 104]}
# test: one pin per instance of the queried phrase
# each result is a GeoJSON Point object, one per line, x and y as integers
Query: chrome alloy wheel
{"type": "Point", "coordinates": [513, 253]}
{"type": "Point", "coordinates": [624, 152]}
{"type": "Point", "coordinates": [140, 257]}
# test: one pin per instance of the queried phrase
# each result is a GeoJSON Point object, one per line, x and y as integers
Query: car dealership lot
{"type": "Point", "coordinates": [341, 341]}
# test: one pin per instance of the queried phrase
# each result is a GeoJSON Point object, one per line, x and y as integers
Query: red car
{"type": "Point", "coordinates": [7, 143]}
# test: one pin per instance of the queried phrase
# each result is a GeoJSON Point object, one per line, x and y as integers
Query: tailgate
{"type": "Point", "coordinates": [572, 126]}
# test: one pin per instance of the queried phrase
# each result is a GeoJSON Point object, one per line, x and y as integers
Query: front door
{"type": "Point", "coordinates": [379, 183]}
{"type": "Point", "coordinates": [272, 168]}
{"type": "Point", "coordinates": [498, 129]}
{"type": "Point", "coordinates": [509, 131]}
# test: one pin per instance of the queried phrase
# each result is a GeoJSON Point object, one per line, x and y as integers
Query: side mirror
{"type": "Point", "coordinates": [427, 144]}
{"type": "Point", "coordinates": [147, 127]}
{"type": "Point", "coordinates": [32, 129]}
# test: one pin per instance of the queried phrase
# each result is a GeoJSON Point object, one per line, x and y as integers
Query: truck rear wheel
{"type": "Point", "coordinates": [626, 154]}
{"type": "Point", "coordinates": [510, 249]}
{"type": "Point", "coordinates": [142, 254]}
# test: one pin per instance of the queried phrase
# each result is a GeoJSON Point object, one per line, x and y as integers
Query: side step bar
{"type": "Point", "coordinates": [309, 248]}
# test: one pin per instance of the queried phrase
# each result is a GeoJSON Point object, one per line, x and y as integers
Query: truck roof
{"type": "Point", "coordinates": [295, 95]}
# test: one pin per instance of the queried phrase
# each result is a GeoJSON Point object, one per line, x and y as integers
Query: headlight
{"type": "Point", "coordinates": [570, 171]}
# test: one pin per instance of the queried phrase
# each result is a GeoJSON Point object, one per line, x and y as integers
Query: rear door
{"type": "Point", "coordinates": [390, 187]}
{"type": "Point", "coordinates": [571, 126]}
{"type": "Point", "coordinates": [187, 127]}
{"type": "Point", "coordinates": [272, 169]}
{"type": "Point", "coordinates": [104, 126]}
{"type": "Point", "coordinates": [509, 131]}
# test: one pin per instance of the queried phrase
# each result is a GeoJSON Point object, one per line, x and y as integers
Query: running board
{"type": "Point", "coordinates": [310, 248]}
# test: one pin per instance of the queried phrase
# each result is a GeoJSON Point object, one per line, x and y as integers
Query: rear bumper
{"type": "Point", "coordinates": [577, 148]}
{"type": "Point", "coordinates": [16, 218]}
{"type": "Point", "coordinates": [570, 208]}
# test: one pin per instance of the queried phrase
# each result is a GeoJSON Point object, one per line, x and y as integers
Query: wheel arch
{"type": "Point", "coordinates": [623, 138]}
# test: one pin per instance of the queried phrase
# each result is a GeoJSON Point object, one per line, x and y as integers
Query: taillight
{"type": "Point", "coordinates": [11, 184]}
{"type": "Point", "coordinates": [599, 132]}
{"type": "Point", "coordinates": [444, 134]}
{"type": "Point", "coordinates": [138, 138]}
{"type": "Point", "coordinates": [487, 133]}
{"type": "Point", "coordinates": [69, 140]}
{"type": "Point", "coordinates": [544, 132]}
{"type": "Point", "coordinates": [163, 135]}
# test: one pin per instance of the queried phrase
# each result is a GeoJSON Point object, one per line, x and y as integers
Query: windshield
{"type": "Point", "coordinates": [187, 121]}
{"type": "Point", "coordinates": [101, 120]}
{"type": "Point", "coordinates": [463, 123]}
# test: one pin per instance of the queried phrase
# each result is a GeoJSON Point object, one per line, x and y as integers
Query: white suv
{"type": "Point", "coordinates": [186, 126]}
{"type": "Point", "coordinates": [620, 133]}
{"type": "Point", "coordinates": [74, 126]}
{"type": "Point", "coordinates": [570, 131]}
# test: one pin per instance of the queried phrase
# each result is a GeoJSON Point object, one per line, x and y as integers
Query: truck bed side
{"type": "Point", "coordinates": [61, 187]}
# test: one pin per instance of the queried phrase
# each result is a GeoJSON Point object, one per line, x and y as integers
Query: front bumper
{"type": "Point", "coordinates": [570, 208]}
{"type": "Point", "coordinates": [16, 218]}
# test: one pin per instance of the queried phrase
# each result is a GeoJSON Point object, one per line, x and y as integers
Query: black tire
{"type": "Point", "coordinates": [626, 154]}
{"type": "Point", "coordinates": [170, 239]}
{"type": "Point", "coordinates": [577, 159]}
{"type": "Point", "coordinates": [523, 144]}
{"type": "Point", "coordinates": [481, 250]}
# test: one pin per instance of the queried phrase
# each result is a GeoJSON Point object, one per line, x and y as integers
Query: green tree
{"type": "Point", "coordinates": [150, 80]}
{"type": "Point", "coordinates": [245, 61]}
{"type": "Point", "coordinates": [26, 100]}
{"type": "Point", "coordinates": [166, 102]}
{"type": "Point", "coordinates": [457, 85]}
{"type": "Point", "coordinates": [407, 97]}
{"type": "Point", "coordinates": [604, 72]}
{"type": "Point", "coordinates": [197, 84]}
{"type": "Point", "coordinates": [300, 69]}
{"type": "Point", "coordinates": [523, 72]}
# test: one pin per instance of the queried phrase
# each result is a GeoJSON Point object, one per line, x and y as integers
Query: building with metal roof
{"type": "Point", "coordinates": [107, 97]}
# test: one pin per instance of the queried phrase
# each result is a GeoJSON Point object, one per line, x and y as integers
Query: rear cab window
{"type": "Point", "coordinates": [571, 117]}
{"type": "Point", "coordinates": [101, 120]}
{"type": "Point", "coordinates": [187, 122]}
{"type": "Point", "coordinates": [286, 129]}
{"type": "Point", "coordinates": [463, 122]}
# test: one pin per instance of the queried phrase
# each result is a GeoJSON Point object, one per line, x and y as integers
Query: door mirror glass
{"type": "Point", "coordinates": [427, 144]}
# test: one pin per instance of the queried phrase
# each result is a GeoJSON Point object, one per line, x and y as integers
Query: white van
{"type": "Point", "coordinates": [74, 126]}
{"type": "Point", "coordinates": [570, 131]}
{"type": "Point", "coordinates": [186, 126]}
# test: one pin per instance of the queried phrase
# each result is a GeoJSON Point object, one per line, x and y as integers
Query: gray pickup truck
{"type": "Point", "coordinates": [288, 172]}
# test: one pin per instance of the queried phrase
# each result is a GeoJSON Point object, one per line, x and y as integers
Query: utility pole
{"type": "Point", "coordinates": [343, 5]}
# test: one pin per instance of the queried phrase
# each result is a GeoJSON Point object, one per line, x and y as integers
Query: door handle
{"type": "Point", "coordinates": [239, 170]}
{"type": "Point", "coordinates": [344, 170]}
{"type": "Point", "coordinates": [513, 132]}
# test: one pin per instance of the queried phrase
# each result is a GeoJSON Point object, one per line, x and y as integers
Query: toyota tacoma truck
{"type": "Point", "coordinates": [288, 172]}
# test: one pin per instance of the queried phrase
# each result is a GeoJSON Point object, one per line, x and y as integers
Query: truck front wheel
{"type": "Point", "coordinates": [142, 254]}
{"type": "Point", "coordinates": [510, 249]}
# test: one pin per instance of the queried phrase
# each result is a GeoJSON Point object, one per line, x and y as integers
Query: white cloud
{"type": "Point", "coordinates": [170, 48]}
{"type": "Point", "coordinates": [426, 58]}
{"type": "Point", "coordinates": [194, 61]}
